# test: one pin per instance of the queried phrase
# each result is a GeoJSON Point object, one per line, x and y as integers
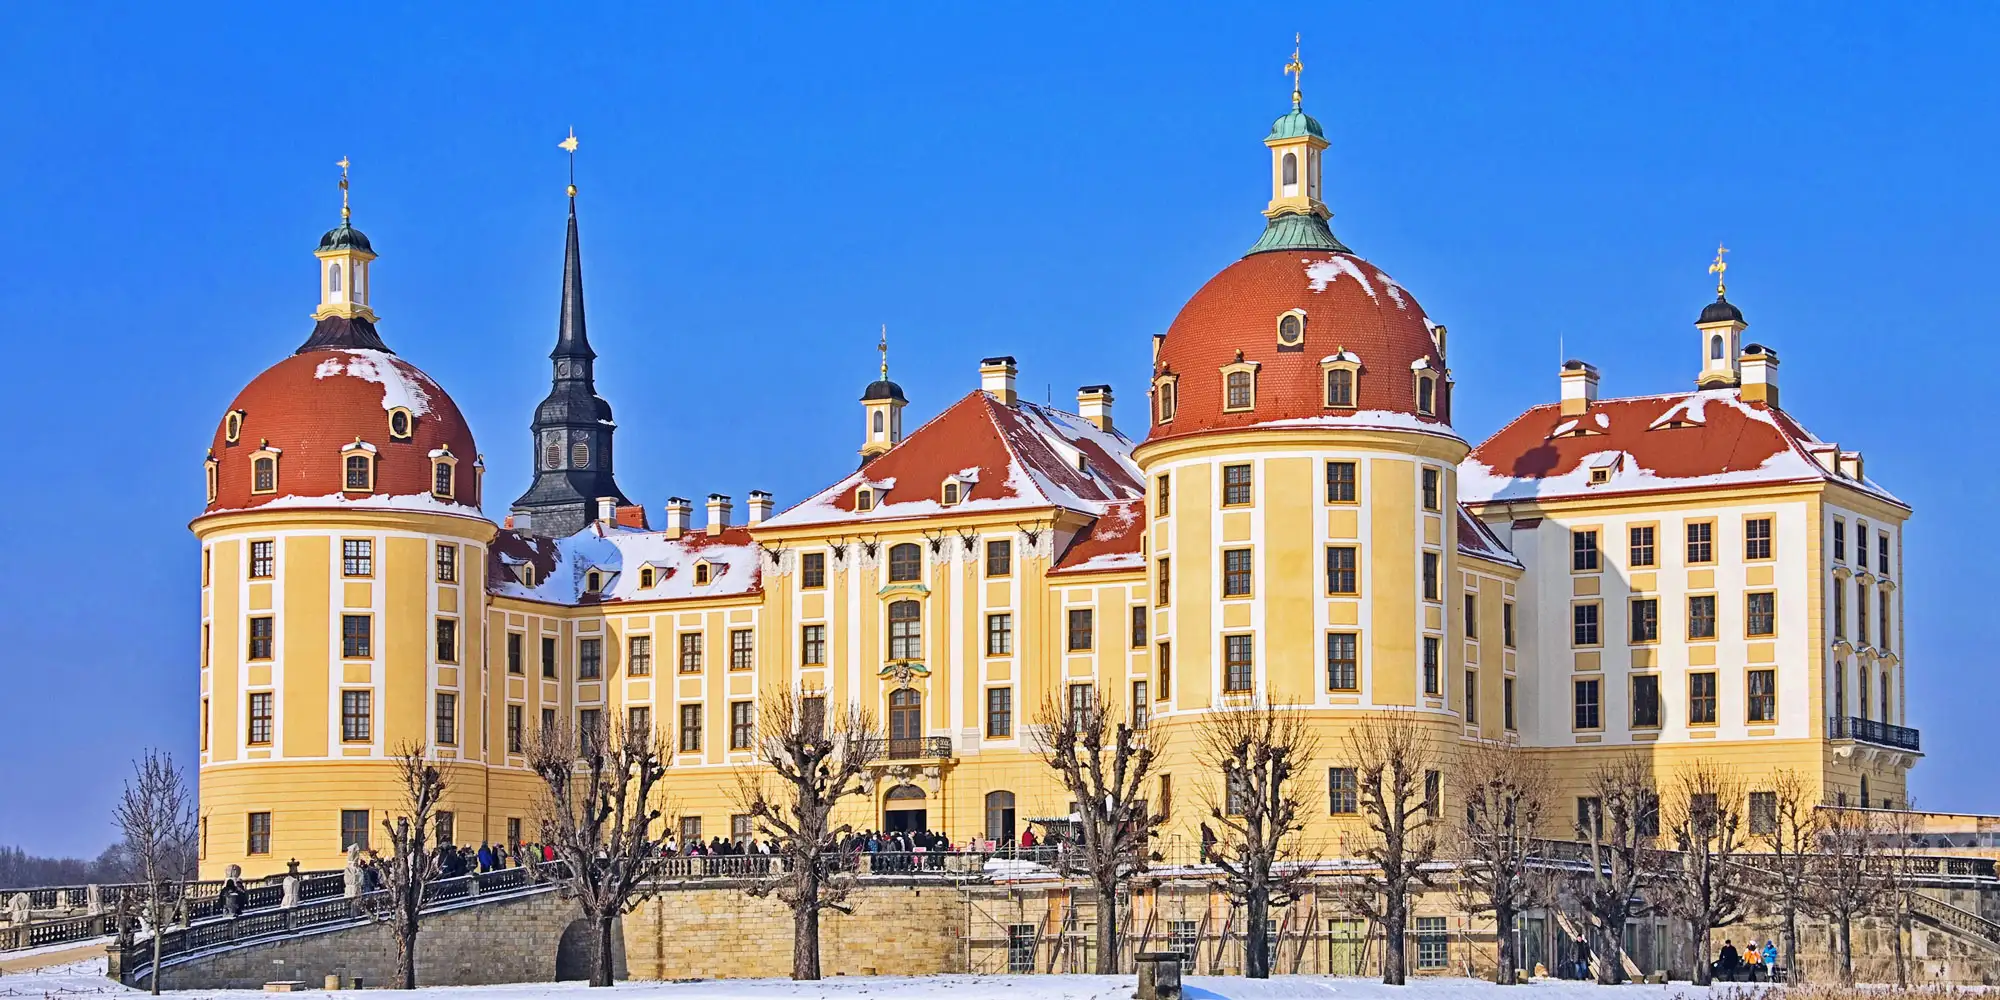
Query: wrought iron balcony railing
{"type": "Point", "coordinates": [1871, 731]}
{"type": "Point", "coordinates": [906, 748]}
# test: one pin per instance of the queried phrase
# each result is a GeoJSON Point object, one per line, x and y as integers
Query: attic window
{"type": "Point", "coordinates": [1426, 394]}
{"type": "Point", "coordinates": [593, 582]}
{"type": "Point", "coordinates": [1599, 477]}
{"type": "Point", "coordinates": [1292, 331]}
{"type": "Point", "coordinates": [864, 499]}
{"type": "Point", "coordinates": [209, 467]}
{"type": "Point", "coordinates": [1340, 376]}
{"type": "Point", "coordinates": [1165, 398]}
{"type": "Point", "coordinates": [527, 574]}
{"type": "Point", "coordinates": [701, 573]}
{"type": "Point", "coordinates": [357, 472]}
{"type": "Point", "coordinates": [951, 490]}
{"type": "Point", "coordinates": [400, 421]}
{"type": "Point", "coordinates": [1239, 385]}
{"type": "Point", "coordinates": [232, 426]}
{"type": "Point", "coordinates": [264, 470]}
{"type": "Point", "coordinates": [441, 479]}
{"type": "Point", "coordinates": [646, 576]}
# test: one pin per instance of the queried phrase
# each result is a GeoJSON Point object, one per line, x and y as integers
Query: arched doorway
{"type": "Point", "coordinates": [906, 723]}
{"type": "Point", "coordinates": [576, 951]}
{"type": "Point", "coordinates": [1000, 818]}
{"type": "Point", "coordinates": [903, 809]}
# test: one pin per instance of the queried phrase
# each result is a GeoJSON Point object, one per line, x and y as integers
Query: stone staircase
{"type": "Point", "coordinates": [1956, 921]}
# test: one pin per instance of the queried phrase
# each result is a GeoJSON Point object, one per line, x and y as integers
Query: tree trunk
{"type": "Point", "coordinates": [1846, 951]}
{"type": "Point", "coordinates": [1107, 929]}
{"type": "Point", "coordinates": [1610, 972]}
{"type": "Point", "coordinates": [1256, 936]}
{"type": "Point", "coordinates": [406, 948]}
{"type": "Point", "coordinates": [805, 938]}
{"type": "Point", "coordinates": [1503, 929]}
{"type": "Point", "coordinates": [1896, 945]}
{"type": "Point", "coordinates": [156, 948]}
{"type": "Point", "coordinates": [600, 973]}
{"type": "Point", "coordinates": [1792, 945]}
{"type": "Point", "coordinates": [1704, 974]}
{"type": "Point", "coordinates": [1395, 927]}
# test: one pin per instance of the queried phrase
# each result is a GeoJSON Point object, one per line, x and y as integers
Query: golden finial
{"type": "Point", "coordinates": [1719, 268]}
{"type": "Point", "coordinates": [569, 145]}
{"type": "Point", "coordinates": [884, 348]}
{"type": "Point", "coordinates": [343, 165]}
{"type": "Point", "coordinates": [1295, 69]}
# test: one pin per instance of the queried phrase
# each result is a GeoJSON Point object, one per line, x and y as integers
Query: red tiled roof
{"type": "Point", "coordinates": [1114, 542]}
{"type": "Point", "coordinates": [1476, 539]}
{"type": "Point", "coordinates": [1349, 304]}
{"type": "Point", "coordinates": [1689, 440]}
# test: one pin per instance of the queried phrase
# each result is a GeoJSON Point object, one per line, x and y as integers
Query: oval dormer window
{"type": "Point", "coordinates": [399, 424]}
{"type": "Point", "coordinates": [1291, 330]}
{"type": "Point", "coordinates": [232, 426]}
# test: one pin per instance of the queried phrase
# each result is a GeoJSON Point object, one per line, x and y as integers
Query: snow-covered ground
{"type": "Point", "coordinates": [87, 978]}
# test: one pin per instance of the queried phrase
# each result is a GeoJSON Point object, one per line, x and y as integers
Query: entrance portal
{"type": "Point", "coordinates": [903, 810]}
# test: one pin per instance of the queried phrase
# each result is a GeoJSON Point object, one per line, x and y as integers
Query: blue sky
{"type": "Point", "coordinates": [763, 187]}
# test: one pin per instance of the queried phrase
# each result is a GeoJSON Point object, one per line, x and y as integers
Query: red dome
{"type": "Point", "coordinates": [1349, 305]}
{"type": "Point", "coordinates": [311, 405]}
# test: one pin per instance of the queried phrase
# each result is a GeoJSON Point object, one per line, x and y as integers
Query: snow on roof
{"type": "Point", "coordinates": [1113, 543]}
{"type": "Point", "coordinates": [617, 553]}
{"type": "Point", "coordinates": [402, 384]}
{"type": "Point", "coordinates": [1721, 440]}
{"type": "Point", "coordinates": [424, 502]}
{"type": "Point", "coordinates": [1322, 273]}
{"type": "Point", "coordinates": [1476, 539]}
{"type": "Point", "coordinates": [1023, 456]}
{"type": "Point", "coordinates": [1370, 419]}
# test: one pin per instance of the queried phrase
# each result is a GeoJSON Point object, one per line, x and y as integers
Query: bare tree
{"type": "Point", "coordinates": [412, 863]}
{"type": "Point", "coordinates": [155, 815]}
{"type": "Point", "coordinates": [599, 814]}
{"type": "Point", "coordinates": [816, 763]}
{"type": "Point", "coordinates": [1260, 752]}
{"type": "Point", "coordinates": [1703, 818]}
{"type": "Point", "coordinates": [1399, 787]}
{"type": "Point", "coordinates": [1104, 763]}
{"type": "Point", "coordinates": [1902, 831]}
{"type": "Point", "coordinates": [1505, 791]}
{"type": "Point", "coordinates": [1847, 876]}
{"type": "Point", "coordinates": [1792, 833]}
{"type": "Point", "coordinates": [1617, 824]}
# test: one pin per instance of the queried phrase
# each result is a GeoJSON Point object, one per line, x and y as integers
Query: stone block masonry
{"type": "Point", "coordinates": [710, 932]}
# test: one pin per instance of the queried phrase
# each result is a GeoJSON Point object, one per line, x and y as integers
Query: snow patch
{"type": "Point", "coordinates": [1322, 273]}
{"type": "Point", "coordinates": [402, 385]}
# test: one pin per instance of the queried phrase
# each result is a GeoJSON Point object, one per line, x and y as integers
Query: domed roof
{"type": "Point", "coordinates": [1293, 124]}
{"type": "Point", "coordinates": [1353, 312]}
{"type": "Point", "coordinates": [345, 237]}
{"type": "Point", "coordinates": [1720, 311]}
{"type": "Point", "coordinates": [883, 389]}
{"type": "Point", "coordinates": [310, 406]}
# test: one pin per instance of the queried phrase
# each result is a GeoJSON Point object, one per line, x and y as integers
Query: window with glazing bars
{"type": "Point", "coordinates": [447, 563]}
{"type": "Point", "coordinates": [447, 719]}
{"type": "Point", "coordinates": [1235, 485]}
{"type": "Point", "coordinates": [1642, 546]}
{"type": "Point", "coordinates": [261, 631]}
{"type": "Point", "coordinates": [1239, 663]}
{"type": "Point", "coordinates": [447, 640]}
{"type": "Point", "coordinates": [1236, 572]}
{"type": "Point", "coordinates": [262, 560]}
{"type": "Point", "coordinates": [999, 557]}
{"type": "Point", "coordinates": [691, 652]}
{"type": "Point", "coordinates": [1701, 542]}
{"type": "Point", "coordinates": [1342, 574]}
{"type": "Point", "coordinates": [742, 649]}
{"type": "Point", "coordinates": [356, 635]}
{"type": "Point", "coordinates": [260, 719]}
{"type": "Point", "coordinates": [1340, 483]}
{"type": "Point", "coordinates": [1139, 626]}
{"type": "Point", "coordinates": [357, 716]}
{"type": "Point", "coordinates": [1080, 629]}
{"type": "Point", "coordinates": [638, 655]}
{"type": "Point", "coordinates": [812, 645]}
{"type": "Point", "coordinates": [690, 728]}
{"type": "Point", "coordinates": [999, 713]}
{"type": "Point", "coordinates": [1583, 550]}
{"type": "Point", "coordinates": [1585, 693]}
{"type": "Point", "coordinates": [1342, 666]}
{"type": "Point", "coordinates": [812, 570]}
{"type": "Point", "coordinates": [357, 557]}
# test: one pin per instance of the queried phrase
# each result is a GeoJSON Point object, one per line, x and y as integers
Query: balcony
{"type": "Point", "coordinates": [1880, 734]}
{"type": "Point", "coordinates": [910, 748]}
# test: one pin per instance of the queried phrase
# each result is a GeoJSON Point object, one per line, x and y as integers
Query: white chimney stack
{"type": "Point", "coordinates": [680, 516]}
{"type": "Point", "coordinates": [607, 510]}
{"type": "Point", "coordinates": [1093, 403]}
{"type": "Point", "coordinates": [1759, 366]}
{"type": "Point", "coordinates": [1579, 387]}
{"type": "Point", "coordinates": [760, 506]}
{"type": "Point", "coordinates": [718, 513]}
{"type": "Point", "coordinates": [996, 376]}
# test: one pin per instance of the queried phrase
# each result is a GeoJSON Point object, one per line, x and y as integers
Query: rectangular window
{"type": "Point", "coordinates": [514, 652]}
{"type": "Point", "coordinates": [1164, 571]}
{"type": "Point", "coordinates": [1839, 590]}
{"type": "Point", "coordinates": [1184, 936]}
{"type": "Point", "coordinates": [1163, 495]}
{"type": "Point", "coordinates": [1763, 696]}
{"type": "Point", "coordinates": [1166, 795]}
{"type": "Point", "coordinates": [262, 563]}
{"type": "Point", "coordinates": [691, 652]}
{"type": "Point", "coordinates": [1340, 484]}
{"type": "Point", "coordinates": [1882, 553]}
{"type": "Point", "coordinates": [690, 829]}
{"type": "Point", "coordinates": [548, 719]}
{"type": "Point", "coordinates": [1701, 542]}
{"type": "Point", "coordinates": [1342, 665]}
{"type": "Point", "coordinates": [1589, 816]}
{"type": "Point", "coordinates": [1342, 796]}
{"type": "Point", "coordinates": [812, 645]}
{"type": "Point", "coordinates": [1645, 701]}
{"type": "Point", "coordinates": [1472, 616]}
{"type": "Point", "coordinates": [447, 719]}
{"type": "Point", "coordinates": [1882, 635]}
{"type": "Point", "coordinates": [589, 728]}
{"type": "Point", "coordinates": [515, 722]}
{"type": "Point", "coordinates": [356, 633]}
{"type": "Point", "coordinates": [1701, 617]}
{"type": "Point", "coordinates": [447, 563]}
{"type": "Point", "coordinates": [354, 829]}
{"type": "Point", "coordinates": [1642, 546]}
{"type": "Point", "coordinates": [1701, 699]}
{"type": "Point", "coordinates": [999, 713]}
{"type": "Point", "coordinates": [690, 728]}
{"type": "Point", "coordinates": [1236, 572]}
{"type": "Point", "coordinates": [1236, 485]}
{"type": "Point", "coordinates": [1585, 705]}
{"type": "Point", "coordinates": [1142, 706]}
{"type": "Point", "coordinates": [1430, 563]}
{"type": "Point", "coordinates": [742, 725]}
{"type": "Point", "coordinates": [1000, 635]}
{"type": "Point", "coordinates": [260, 719]}
{"type": "Point", "coordinates": [1081, 697]}
{"type": "Point", "coordinates": [589, 658]}
{"type": "Point", "coordinates": [1583, 551]}
{"type": "Point", "coordinates": [1433, 488]}
{"type": "Point", "coordinates": [638, 656]}
{"type": "Point", "coordinates": [1507, 703]}
{"type": "Point", "coordinates": [1239, 662]}
{"type": "Point", "coordinates": [1860, 613]}
{"type": "Point", "coordinates": [548, 656]}
{"type": "Point", "coordinates": [1645, 619]}
{"type": "Point", "coordinates": [1433, 653]}
{"type": "Point", "coordinates": [1472, 697]}
{"type": "Point", "coordinates": [357, 557]}
{"type": "Point", "coordinates": [445, 824]}
{"type": "Point", "coordinates": [742, 649]}
{"type": "Point", "coordinates": [639, 721]}
{"type": "Point", "coordinates": [1139, 626]}
{"type": "Point", "coordinates": [261, 630]}
{"type": "Point", "coordinates": [260, 834]}
{"type": "Point", "coordinates": [1507, 624]}
{"type": "Point", "coordinates": [1080, 629]}
{"type": "Point", "coordinates": [357, 716]}
{"type": "Point", "coordinates": [1763, 814]}
{"type": "Point", "coordinates": [1431, 939]}
{"type": "Point", "coordinates": [1342, 573]}
{"type": "Point", "coordinates": [447, 640]}
{"type": "Point", "coordinates": [1760, 614]}
{"type": "Point", "coordinates": [1757, 538]}
{"type": "Point", "coordinates": [812, 570]}
{"type": "Point", "coordinates": [1839, 539]}
{"type": "Point", "coordinates": [999, 557]}
{"type": "Point", "coordinates": [1583, 624]}
{"type": "Point", "coordinates": [1165, 654]}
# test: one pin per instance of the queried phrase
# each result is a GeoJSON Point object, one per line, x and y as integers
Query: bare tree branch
{"type": "Point", "coordinates": [1505, 791]}
{"type": "Point", "coordinates": [1792, 836]}
{"type": "Point", "coordinates": [1617, 824]}
{"type": "Point", "coordinates": [1703, 820]}
{"type": "Point", "coordinates": [1261, 752]}
{"type": "Point", "coordinates": [156, 817]}
{"type": "Point", "coordinates": [1399, 785]}
{"type": "Point", "coordinates": [412, 863]}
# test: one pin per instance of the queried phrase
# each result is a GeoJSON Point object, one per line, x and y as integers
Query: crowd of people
{"type": "Point", "coordinates": [1752, 964]}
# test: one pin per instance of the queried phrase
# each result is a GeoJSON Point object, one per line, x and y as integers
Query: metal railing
{"type": "Point", "coordinates": [1870, 731]}
{"type": "Point", "coordinates": [193, 902]}
{"type": "Point", "coordinates": [905, 748]}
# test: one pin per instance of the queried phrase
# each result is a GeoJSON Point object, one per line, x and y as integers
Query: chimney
{"type": "Point", "coordinates": [1850, 465]}
{"type": "Point", "coordinates": [1760, 375]}
{"type": "Point", "coordinates": [632, 516]}
{"type": "Point", "coordinates": [760, 506]}
{"type": "Point", "coordinates": [680, 516]}
{"type": "Point", "coordinates": [1579, 387]}
{"type": "Point", "coordinates": [607, 510]}
{"type": "Point", "coordinates": [1093, 403]}
{"type": "Point", "coordinates": [996, 376]}
{"type": "Point", "coordinates": [718, 513]}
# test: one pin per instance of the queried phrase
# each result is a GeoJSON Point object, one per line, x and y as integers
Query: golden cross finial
{"type": "Point", "coordinates": [569, 145]}
{"type": "Point", "coordinates": [884, 348]}
{"type": "Point", "coordinates": [1295, 69]}
{"type": "Point", "coordinates": [343, 165]}
{"type": "Point", "coordinates": [1719, 268]}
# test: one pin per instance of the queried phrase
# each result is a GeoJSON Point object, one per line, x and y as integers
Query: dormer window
{"type": "Point", "coordinates": [264, 469]}
{"type": "Point", "coordinates": [702, 573]}
{"type": "Point", "coordinates": [232, 426]}
{"type": "Point", "coordinates": [647, 576]}
{"type": "Point", "coordinates": [360, 473]}
{"type": "Point", "coordinates": [864, 498]}
{"type": "Point", "coordinates": [1165, 398]}
{"type": "Point", "coordinates": [951, 489]}
{"type": "Point", "coordinates": [1599, 477]}
{"type": "Point", "coordinates": [1340, 379]}
{"type": "Point", "coordinates": [444, 474]}
{"type": "Point", "coordinates": [400, 423]}
{"type": "Point", "coordinates": [209, 470]}
{"type": "Point", "coordinates": [527, 574]}
{"type": "Point", "coordinates": [1239, 385]}
{"type": "Point", "coordinates": [1292, 330]}
{"type": "Point", "coordinates": [1426, 386]}
{"type": "Point", "coordinates": [593, 582]}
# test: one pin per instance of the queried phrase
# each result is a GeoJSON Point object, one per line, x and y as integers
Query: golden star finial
{"type": "Point", "coordinates": [1295, 69]}
{"type": "Point", "coordinates": [343, 165]}
{"type": "Point", "coordinates": [1720, 268]}
{"type": "Point", "coordinates": [569, 145]}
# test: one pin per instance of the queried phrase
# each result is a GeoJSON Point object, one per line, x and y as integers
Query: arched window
{"type": "Point", "coordinates": [264, 474]}
{"type": "Point", "coordinates": [552, 455]}
{"type": "Point", "coordinates": [1426, 395]}
{"type": "Point", "coordinates": [358, 473]}
{"type": "Point", "coordinates": [950, 494]}
{"type": "Point", "coordinates": [1290, 172]}
{"type": "Point", "coordinates": [906, 630]}
{"type": "Point", "coordinates": [1886, 717]}
{"type": "Point", "coordinates": [1167, 401]}
{"type": "Point", "coordinates": [1715, 348]}
{"type": "Point", "coordinates": [210, 467]}
{"type": "Point", "coordinates": [1000, 817]}
{"type": "Point", "coordinates": [1339, 387]}
{"type": "Point", "coordinates": [1239, 396]}
{"type": "Point", "coordinates": [878, 421]}
{"type": "Point", "coordinates": [905, 563]}
{"type": "Point", "coordinates": [441, 479]}
{"type": "Point", "coordinates": [333, 277]}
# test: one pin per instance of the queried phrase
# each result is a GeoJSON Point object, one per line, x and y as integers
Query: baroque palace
{"type": "Point", "coordinates": [1295, 518]}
